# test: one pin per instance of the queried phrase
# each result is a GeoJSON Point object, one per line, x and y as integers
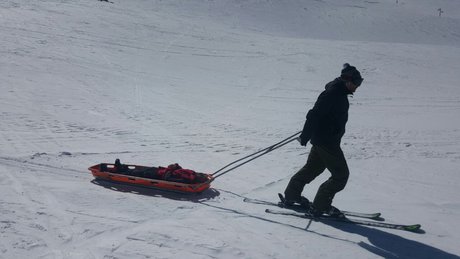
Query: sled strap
{"type": "Point", "coordinates": [237, 163]}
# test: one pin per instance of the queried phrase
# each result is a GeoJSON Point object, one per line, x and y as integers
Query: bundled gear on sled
{"type": "Point", "coordinates": [171, 178]}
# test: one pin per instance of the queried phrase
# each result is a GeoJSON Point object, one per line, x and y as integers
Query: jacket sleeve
{"type": "Point", "coordinates": [320, 109]}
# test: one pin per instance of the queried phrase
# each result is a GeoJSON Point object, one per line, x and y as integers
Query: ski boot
{"type": "Point", "coordinates": [301, 202]}
{"type": "Point", "coordinates": [312, 212]}
{"type": "Point", "coordinates": [334, 212]}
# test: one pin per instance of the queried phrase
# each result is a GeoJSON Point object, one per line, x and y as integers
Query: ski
{"type": "Point", "coordinates": [299, 208]}
{"type": "Point", "coordinates": [411, 228]}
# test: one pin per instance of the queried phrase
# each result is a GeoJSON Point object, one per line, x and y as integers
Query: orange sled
{"type": "Point", "coordinates": [150, 177]}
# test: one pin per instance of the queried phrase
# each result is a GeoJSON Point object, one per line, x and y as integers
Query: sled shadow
{"type": "Point", "coordinates": [388, 245]}
{"type": "Point", "coordinates": [146, 191]}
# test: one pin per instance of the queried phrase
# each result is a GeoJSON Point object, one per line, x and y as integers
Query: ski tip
{"type": "Point", "coordinates": [377, 216]}
{"type": "Point", "coordinates": [413, 228]}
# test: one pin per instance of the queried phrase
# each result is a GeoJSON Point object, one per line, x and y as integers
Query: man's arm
{"type": "Point", "coordinates": [320, 109]}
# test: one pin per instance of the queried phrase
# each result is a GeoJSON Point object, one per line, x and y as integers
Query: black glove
{"type": "Point", "coordinates": [303, 141]}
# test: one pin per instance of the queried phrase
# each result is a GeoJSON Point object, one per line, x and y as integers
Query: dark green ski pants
{"type": "Point", "coordinates": [320, 158]}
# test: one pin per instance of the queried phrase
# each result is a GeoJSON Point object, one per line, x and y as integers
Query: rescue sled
{"type": "Point", "coordinates": [171, 178]}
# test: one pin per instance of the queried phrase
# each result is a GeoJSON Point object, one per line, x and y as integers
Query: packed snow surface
{"type": "Point", "coordinates": [203, 83]}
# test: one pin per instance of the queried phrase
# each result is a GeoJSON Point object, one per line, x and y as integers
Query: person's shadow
{"type": "Point", "coordinates": [389, 245]}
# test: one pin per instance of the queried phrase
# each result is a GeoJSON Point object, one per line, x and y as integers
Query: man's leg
{"type": "Point", "coordinates": [314, 167]}
{"type": "Point", "coordinates": [335, 162]}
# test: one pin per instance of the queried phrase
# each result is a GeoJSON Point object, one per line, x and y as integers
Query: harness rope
{"type": "Point", "coordinates": [249, 158]}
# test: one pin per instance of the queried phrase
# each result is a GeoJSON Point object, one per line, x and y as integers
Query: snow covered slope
{"type": "Point", "coordinates": [410, 21]}
{"type": "Point", "coordinates": [203, 83]}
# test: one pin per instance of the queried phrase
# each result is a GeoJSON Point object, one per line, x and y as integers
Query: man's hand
{"type": "Point", "coordinates": [303, 142]}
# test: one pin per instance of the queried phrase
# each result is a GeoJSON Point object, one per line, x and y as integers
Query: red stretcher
{"type": "Point", "coordinates": [171, 178]}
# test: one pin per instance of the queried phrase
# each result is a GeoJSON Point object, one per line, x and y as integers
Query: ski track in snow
{"type": "Point", "coordinates": [203, 83]}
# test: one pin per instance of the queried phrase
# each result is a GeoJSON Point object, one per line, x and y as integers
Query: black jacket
{"type": "Point", "coordinates": [325, 124]}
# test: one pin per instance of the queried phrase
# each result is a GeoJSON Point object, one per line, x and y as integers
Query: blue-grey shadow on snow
{"type": "Point", "coordinates": [146, 191]}
{"type": "Point", "coordinates": [388, 245]}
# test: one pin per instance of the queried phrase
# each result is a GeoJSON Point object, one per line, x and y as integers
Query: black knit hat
{"type": "Point", "coordinates": [350, 73]}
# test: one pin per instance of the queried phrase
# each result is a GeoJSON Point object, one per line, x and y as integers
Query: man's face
{"type": "Point", "coordinates": [351, 86]}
